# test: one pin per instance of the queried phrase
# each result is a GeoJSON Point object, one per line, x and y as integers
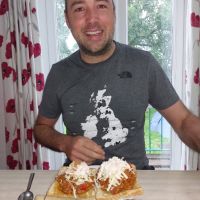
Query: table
{"type": "Point", "coordinates": [157, 185]}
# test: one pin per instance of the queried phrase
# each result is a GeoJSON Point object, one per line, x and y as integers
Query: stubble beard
{"type": "Point", "coordinates": [105, 47]}
{"type": "Point", "coordinates": [102, 51]}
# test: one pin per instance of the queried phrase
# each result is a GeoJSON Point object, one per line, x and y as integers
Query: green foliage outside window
{"type": "Point", "coordinates": [155, 143]}
{"type": "Point", "coordinates": [149, 28]}
{"type": "Point", "coordinates": [63, 32]}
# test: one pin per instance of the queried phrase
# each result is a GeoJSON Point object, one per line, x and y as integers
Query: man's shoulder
{"type": "Point", "coordinates": [128, 49]}
{"type": "Point", "coordinates": [131, 53]}
{"type": "Point", "coordinates": [67, 60]}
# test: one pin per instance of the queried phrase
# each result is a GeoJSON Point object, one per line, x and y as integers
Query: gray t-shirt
{"type": "Point", "coordinates": [107, 101]}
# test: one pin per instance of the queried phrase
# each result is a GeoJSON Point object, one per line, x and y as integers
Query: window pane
{"type": "Point", "coordinates": [150, 28]}
{"type": "Point", "coordinates": [65, 41]}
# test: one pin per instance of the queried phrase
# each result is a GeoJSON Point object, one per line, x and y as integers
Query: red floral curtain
{"type": "Point", "coordinates": [23, 82]}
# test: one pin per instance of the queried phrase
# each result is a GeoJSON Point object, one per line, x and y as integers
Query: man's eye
{"type": "Point", "coordinates": [80, 9]}
{"type": "Point", "coordinates": [102, 6]}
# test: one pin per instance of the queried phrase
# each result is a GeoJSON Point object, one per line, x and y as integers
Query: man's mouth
{"type": "Point", "coordinates": [93, 33]}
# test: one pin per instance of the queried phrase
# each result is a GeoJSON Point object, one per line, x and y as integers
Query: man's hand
{"type": "Point", "coordinates": [79, 148]}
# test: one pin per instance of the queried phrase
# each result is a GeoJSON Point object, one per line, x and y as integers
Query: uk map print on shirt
{"type": "Point", "coordinates": [113, 131]}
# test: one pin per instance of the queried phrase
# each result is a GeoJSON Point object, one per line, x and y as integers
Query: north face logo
{"type": "Point", "coordinates": [125, 74]}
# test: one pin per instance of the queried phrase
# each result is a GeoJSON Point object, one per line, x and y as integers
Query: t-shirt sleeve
{"type": "Point", "coordinates": [161, 92]}
{"type": "Point", "coordinates": [50, 104]}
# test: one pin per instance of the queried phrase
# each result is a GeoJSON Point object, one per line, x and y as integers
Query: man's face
{"type": "Point", "coordinates": [92, 24]}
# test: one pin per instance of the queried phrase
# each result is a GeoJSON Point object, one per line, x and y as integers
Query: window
{"type": "Point", "coordinates": [65, 41]}
{"type": "Point", "coordinates": [150, 28]}
{"type": "Point", "coordinates": [133, 17]}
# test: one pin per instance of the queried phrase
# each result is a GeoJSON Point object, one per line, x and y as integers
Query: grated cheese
{"type": "Point", "coordinates": [78, 174]}
{"type": "Point", "coordinates": [113, 169]}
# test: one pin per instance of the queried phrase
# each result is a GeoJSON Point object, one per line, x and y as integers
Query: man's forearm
{"type": "Point", "coordinates": [190, 132]}
{"type": "Point", "coordinates": [49, 137]}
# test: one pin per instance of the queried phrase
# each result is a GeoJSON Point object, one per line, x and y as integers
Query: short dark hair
{"type": "Point", "coordinates": [66, 5]}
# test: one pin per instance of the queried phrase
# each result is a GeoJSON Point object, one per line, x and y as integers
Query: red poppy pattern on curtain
{"type": "Point", "coordinates": [23, 82]}
{"type": "Point", "coordinates": [192, 60]}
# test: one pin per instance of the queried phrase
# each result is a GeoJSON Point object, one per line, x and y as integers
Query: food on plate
{"type": "Point", "coordinates": [114, 179]}
{"type": "Point", "coordinates": [75, 181]}
{"type": "Point", "coordinates": [117, 179]}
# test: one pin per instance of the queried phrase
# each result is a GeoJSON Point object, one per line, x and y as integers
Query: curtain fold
{"type": "Point", "coordinates": [23, 83]}
{"type": "Point", "coordinates": [192, 77]}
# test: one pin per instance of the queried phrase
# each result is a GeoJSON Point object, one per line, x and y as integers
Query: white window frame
{"type": "Point", "coordinates": [121, 27]}
{"type": "Point", "coordinates": [178, 73]}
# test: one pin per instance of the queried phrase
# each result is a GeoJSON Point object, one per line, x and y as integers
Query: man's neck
{"type": "Point", "coordinates": [97, 59]}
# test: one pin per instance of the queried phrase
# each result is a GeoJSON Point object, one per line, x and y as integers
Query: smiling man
{"type": "Point", "coordinates": [102, 92]}
{"type": "Point", "coordinates": [92, 24]}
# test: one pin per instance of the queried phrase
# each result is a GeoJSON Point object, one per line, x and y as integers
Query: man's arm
{"type": "Point", "coordinates": [185, 124]}
{"type": "Point", "coordinates": [77, 148]}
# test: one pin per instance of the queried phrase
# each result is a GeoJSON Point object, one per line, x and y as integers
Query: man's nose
{"type": "Point", "coordinates": [92, 15]}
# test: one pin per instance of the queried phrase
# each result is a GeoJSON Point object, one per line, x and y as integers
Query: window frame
{"type": "Point", "coordinates": [178, 73]}
{"type": "Point", "coordinates": [121, 26]}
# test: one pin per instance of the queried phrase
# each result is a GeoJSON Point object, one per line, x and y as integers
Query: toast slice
{"type": "Point", "coordinates": [55, 189]}
{"type": "Point", "coordinates": [116, 180]}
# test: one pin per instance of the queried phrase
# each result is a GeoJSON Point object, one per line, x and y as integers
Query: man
{"type": "Point", "coordinates": [102, 92]}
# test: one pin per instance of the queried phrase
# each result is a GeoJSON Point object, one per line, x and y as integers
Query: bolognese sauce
{"type": "Point", "coordinates": [76, 179]}
{"type": "Point", "coordinates": [116, 175]}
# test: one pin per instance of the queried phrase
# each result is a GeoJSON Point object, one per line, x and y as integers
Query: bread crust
{"type": "Point", "coordinates": [136, 190]}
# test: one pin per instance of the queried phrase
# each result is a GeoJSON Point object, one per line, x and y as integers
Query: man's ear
{"type": "Point", "coordinates": [66, 20]}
